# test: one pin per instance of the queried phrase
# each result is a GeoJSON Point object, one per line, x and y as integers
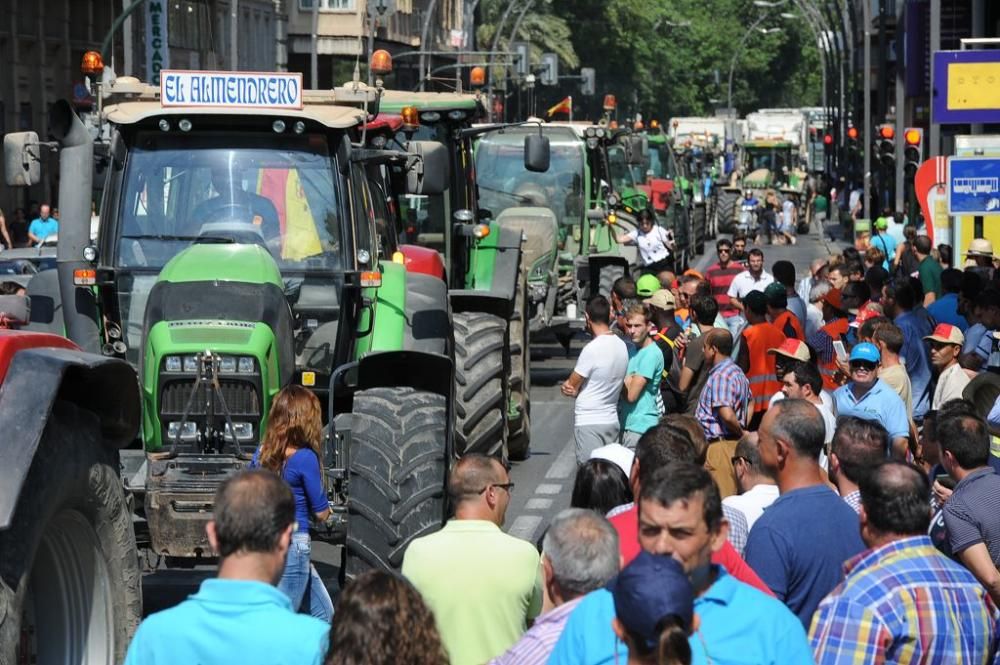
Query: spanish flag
{"type": "Point", "coordinates": [565, 106]}
{"type": "Point", "coordinates": [299, 237]}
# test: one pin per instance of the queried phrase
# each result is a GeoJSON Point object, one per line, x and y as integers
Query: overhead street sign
{"type": "Point", "coordinates": [231, 89]}
{"type": "Point", "coordinates": [966, 87]}
{"type": "Point", "coordinates": [973, 186]}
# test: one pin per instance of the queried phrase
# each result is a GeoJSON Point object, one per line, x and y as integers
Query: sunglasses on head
{"type": "Point", "coordinates": [863, 364]}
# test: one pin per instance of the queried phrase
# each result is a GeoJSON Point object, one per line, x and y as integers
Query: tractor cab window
{"type": "Point", "coordinates": [279, 193]}
{"type": "Point", "coordinates": [505, 183]}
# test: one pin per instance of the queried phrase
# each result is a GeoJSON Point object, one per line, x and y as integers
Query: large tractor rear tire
{"type": "Point", "coordinates": [520, 374]}
{"type": "Point", "coordinates": [398, 475]}
{"type": "Point", "coordinates": [69, 570]}
{"type": "Point", "coordinates": [728, 202]}
{"type": "Point", "coordinates": [608, 275]}
{"type": "Point", "coordinates": [480, 398]}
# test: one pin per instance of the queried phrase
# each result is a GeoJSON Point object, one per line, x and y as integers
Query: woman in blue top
{"type": "Point", "coordinates": [291, 448]}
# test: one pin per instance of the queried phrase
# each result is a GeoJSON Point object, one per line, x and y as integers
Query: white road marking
{"type": "Point", "coordinates": [525, 526]}
{"type": "Point", "coordinates": [549, 488]}
{"type": "Point", "coordinates": [538, 504]}
{"type": "Point", "coordinates": [565, 464]}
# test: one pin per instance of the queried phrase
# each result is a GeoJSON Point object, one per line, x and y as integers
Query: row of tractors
{"type": "Point", "coordinates": [382, 248]}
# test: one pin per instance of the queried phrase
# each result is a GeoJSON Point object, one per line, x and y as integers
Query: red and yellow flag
{"type": "Point", "coordinates": [565, 106]}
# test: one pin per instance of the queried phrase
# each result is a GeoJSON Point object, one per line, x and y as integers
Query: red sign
{"type": "Point", "coordinates": [929, 185]}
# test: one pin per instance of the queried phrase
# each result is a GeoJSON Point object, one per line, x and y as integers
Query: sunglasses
{"type": "Point", "coordinates": [504, 486]}
{"type": "Point", "coordinates": [863, 365]}
{"type": "Point", "coordinates": [724, 250]}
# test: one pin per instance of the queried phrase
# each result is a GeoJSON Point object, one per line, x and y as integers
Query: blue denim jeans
{"type": "Point", "coordinates": [302, 583]}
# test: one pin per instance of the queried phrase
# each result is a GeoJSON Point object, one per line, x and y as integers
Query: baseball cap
{"type": "Point", "coordinates": [792, 348]}
{"type": "Point", "coordinates": [777, 297]}
{"type": "Point", "coordinates": [869, 311]}
{"type": "Point", "coordinates": [866, 351]}
{"type": "Point", "coordinates": [881, 223]}
{"type": "Point", "coordinates": [652, 587]}
{"type": "Point", "coordinates": [615, 453]}
{"type": "Point", "coordinates": [834, 300]}
{"type": "Point", "coordinates": [661, 299]}
{"type": "Point", "coordinates": [646, 285]}
{"type": "Point", "coordinates": [947, 334]}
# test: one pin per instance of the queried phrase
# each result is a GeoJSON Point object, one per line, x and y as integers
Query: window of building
{"type": "Point", "coordinates": [327, 5]}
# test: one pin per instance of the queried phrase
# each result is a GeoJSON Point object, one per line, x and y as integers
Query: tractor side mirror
{"type": "Point", "coordinates": [428, 173]}
{"type": "Point", "coordinates": [22, 164]}
{"type": "Point", "coordinates": [635, 150]}
{"type": "Point", "coordinates": [537, 153]}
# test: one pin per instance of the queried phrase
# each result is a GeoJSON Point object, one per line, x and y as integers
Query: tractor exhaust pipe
{"type": "Point", "coordinates": [76, 169]}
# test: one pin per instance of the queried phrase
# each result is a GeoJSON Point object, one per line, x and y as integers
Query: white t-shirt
{"type": "Point", "coordinates": [602, 364]}
{"type": "Point", "coordinates": [653, 246]}
{"type": "Point", "coordinates": [744, 283]}
{"type": "Point", "coordinates": [825, 410]}
{"type": "Point", "coordinates": [787, 208]}
{"type": "Point", "coordinates": [753, 502]}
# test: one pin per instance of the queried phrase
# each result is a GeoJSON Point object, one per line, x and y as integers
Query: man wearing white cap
{"type": "Point", "coordinates": [946, 344]}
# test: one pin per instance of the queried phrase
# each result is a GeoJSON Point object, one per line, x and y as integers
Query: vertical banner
{"type": "Point", "coordinates": [157, 51]}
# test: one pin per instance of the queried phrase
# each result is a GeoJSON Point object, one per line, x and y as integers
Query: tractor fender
{"type": "Point", "coordinates": [464, 300]}
{"type": "Point", "coordinates": [497, 262]}
{"type": "Point", "coordinates": [35, 379]}
{"type": "Point", "coordinates": [422, 260]}
{"type": "Point", "coordinates": [431, 372]}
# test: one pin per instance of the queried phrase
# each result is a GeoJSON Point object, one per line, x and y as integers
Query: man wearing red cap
{"type": "Point", "coordinates": [946, 343]}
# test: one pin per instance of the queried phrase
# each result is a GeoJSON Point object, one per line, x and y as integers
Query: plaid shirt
{"type": "Point", "coordinates": [536, 645]}
{"type": "Point", "coordinates": [853, 499]}
{"type": "Point", "coordinates": [726, 385]}
{"type": "Point", "coordinates": [904, 603]}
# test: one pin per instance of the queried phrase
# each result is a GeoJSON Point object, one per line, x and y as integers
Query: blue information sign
{"type": "Point", "coordinates": [973, 186]}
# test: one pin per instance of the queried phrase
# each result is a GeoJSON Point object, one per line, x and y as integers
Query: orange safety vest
{"type": "Point", "coordinates": [763, 381]}
{"type": "Point", "coordinates": [789, 325]}
{"type": "Point", "coordinates": [836, 330]}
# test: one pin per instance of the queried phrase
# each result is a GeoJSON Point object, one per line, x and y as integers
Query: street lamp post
{"type": "Point", "coordinates": [739, 51]}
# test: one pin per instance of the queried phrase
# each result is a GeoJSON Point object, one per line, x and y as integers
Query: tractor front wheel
{"type": "Point", "coordinates": [480, 397]}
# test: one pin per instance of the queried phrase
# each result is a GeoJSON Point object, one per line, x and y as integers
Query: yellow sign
{"type": "Point", "coordinates": [308, 379]}
{"type": "Point", "coordinates": [973, 85]}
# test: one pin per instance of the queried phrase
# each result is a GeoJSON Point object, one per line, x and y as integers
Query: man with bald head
{"type": "Point", "coordinates": [902, 600]}
{"type": "Point", "coordinates": [483, 585]}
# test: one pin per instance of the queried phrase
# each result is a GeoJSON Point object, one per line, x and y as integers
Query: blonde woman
{"type": "Point", "coordinates": [291, 448]}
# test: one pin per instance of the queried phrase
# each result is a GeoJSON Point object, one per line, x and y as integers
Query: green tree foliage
{"type": "Point", "coordinates": [672, 57]}
{"type": "Point", "coordinates": [545, 30]}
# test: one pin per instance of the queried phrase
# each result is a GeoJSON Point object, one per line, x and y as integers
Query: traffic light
{"type": "Point", "coordinates": [550, 69]}
{"type": "Point", "coordinates": [886, 145]}
{"type": "Point", "coordinates": [828, 142]}
{"type": "Point", "coordinates": [588, 81]}
{"type": "Point", "coordinates": [913, 152]}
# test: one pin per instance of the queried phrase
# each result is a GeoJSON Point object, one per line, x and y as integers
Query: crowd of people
{"type": "Point", "coordinates": [28, 228]}
{"type": "Point", "coordinates": [769, 470]}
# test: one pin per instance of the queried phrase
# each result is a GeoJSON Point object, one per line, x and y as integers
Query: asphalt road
{"type": "Point", "coordinates": [544, 481]}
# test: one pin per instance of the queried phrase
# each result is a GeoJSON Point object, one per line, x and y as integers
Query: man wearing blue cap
{"type": "Point", "coordinates": [868, 398]}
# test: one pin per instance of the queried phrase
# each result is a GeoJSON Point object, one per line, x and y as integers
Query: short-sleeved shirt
{"type": "Point", "coordinates": [880, 404]}
{"type": "Point", "coordinates": [602, 364]}
{"type": "Point", "coordinates": [930, 275]}
{"type": "Point", "coordinates": [739, 626]}
{"type": "Point", "coordinates": [972, 513]}
{"type": "Point", "coordinates": [645, 412]}
{"type": "Point", "coordinates": [973, 336]}
{"type": "Point", "coordinates": [800, 543]}
{"type": "Point", "coordinates": [482, 585]}
{"type": "Point", "coordinates": [653, 246]}
{"type": "Point", "coordinates": [951, 382]}
{"type": "Point", "coordinates": [720, 280]}
{"type": "Point", "coordinates": [896, 378]}
{"type": "Point", "coordinates": [744, 283]}
{"type": "Point", "coordinates": [727, 385]}
{"type": "Point", "coordinates": [694, 359]}
{"type": "Point", "coordinates": [945, 310]}
{"type": "Point", "coordinates": [43, 228]}
{"type": "Point", "coordinates": [230, 621]}
{"type": "Point", "coordinates": [887, 244]}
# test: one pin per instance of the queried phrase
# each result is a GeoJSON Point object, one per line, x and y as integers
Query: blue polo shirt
{"type": "Point", "coordinates": [945, 310]}
{"type": "Point", "coordinates": [230, 621]}
{"type": "Point", "coordinates": [880, 403]}
{"type": "Point", "coordinates": [739, 625]}
{"type": "Point", "coordinates": [43, 228]}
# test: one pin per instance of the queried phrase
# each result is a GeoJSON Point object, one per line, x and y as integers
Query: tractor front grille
{"type": "Point", "coordinates": [242, 399]}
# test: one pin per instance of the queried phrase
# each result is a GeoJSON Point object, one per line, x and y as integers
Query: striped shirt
{"type": "Point", "coordinates": [535, 646]}
{"type": "Point", "coordinates": [720, 279]}
{"type": "Point", "coordinates": [904, 603]}
{"type": "Point", "coordinates": [726, 385]}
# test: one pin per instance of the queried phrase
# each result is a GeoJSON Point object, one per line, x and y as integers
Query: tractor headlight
{"type": "Point", "coordinates": [227, 364]}
{"type": "Point", "coordinates": [246, 365]}
{"type": "Point", "coordinates": [244, 431]}
{"type": "Point", "coordinates": [172, 363]}
{"type": "Point", "coordinates": [188, 432]}
{"type": "Point", "coordinates": [190, 364]}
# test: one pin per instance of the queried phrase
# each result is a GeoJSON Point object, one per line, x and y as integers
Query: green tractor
{"type": "Point", "coordinates": [487, 286]}
{"type": "Point", "coordinates": [569, 214]}
{"type": "Point", "coordinates": [241, 249]}
{"type": "Point", "coordinates": [767, 164]}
